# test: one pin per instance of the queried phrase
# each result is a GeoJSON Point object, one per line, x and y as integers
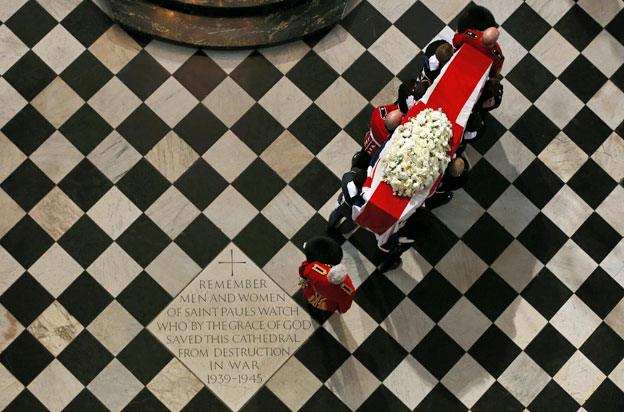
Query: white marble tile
{"type": "Point", "coordinates": [615, 319]}
{"type": "Point", "coordinates": [509, 156]}
{"type": "Point", "coordinates": [575, 321]}
{"type": "Point", "coordinates": [461, 266]}
{"type": "Point", "coordinates": [11, 102]}
{"type": "Point", "coordinates": [341, 383]}
{"type": "Point", "coordinates": [607, 104]}
{"type": "Point", "coordinates": [173, 269]}
{"type": "Point", "coordinates": [337, 154]}
{"type": "Point", "coordinates": [11, 213]}
{"type": "Point", "coordinates": [228, 60]}
{"type": "Point", "coordinates": [55, 328]}
{"type": "Point", "coordinates": [464, 323]}
{"type": "Point", "coordinates": [57, 102]}
{"type": "Point", "coordinates": [170, 56]}
{"type": "Point", "coordinates": [9, 387]}
{"type": "Point", "coordinates": [229, 156]}
{"type": "Point", "coordinates": [387, 94]}
{"type": "Point", "coordinates": [352, 328]}
{"type": "Point", "coordinates": [601, 11]}
{"type": "Point", "coordinates": [56, 213]}
{"type": "Point", "coordinates": [407, 324]}
{"type": "Point", "coordinates": [567, 210]}
{"type": "Point", "coordinates": [286, 146]}
{"type": "Point", "coordinates": [11, 49]}
{"type": "Point", "coordinates": [114, 102]}
{"type": "Point", "coordinates": [55, 386]}
{"type": "Point", "coordinates": [411, 272]}
{"type": "Point", "coordinates": [339, 49]}
{"type": "Point", "coordinates": [611, 209]}
{"type": "Point", "coordinates": [115, 386]}
{"type": "Point", "coordinates": [114, 317]}
{"type": "Point", "coordinates": [114, 212]}
{"type": "Point", "coordinates": [563, 157]}
{"type": "Point", "coordinates": [172, 156]}
{"type": "Point", "coordinates": [115, 48]}
{"type": "Point", "coordinates": [59, 8]}
{"type": "Point", "coordinates": [521, 322]}
{"type": "Point", "coordinates": [280, 268]}
{"type": "Point", "coordinates": [551, 10]}
{"type": "Point", "coordinates": [59, 48]}
{"type": "Point", "coordinates": [358, 266]}
{"type": "Point", "coordinates": [392, 10]}
{"type": "Point", "coordinates": [288, 211]}
{"type": "Point", "coordinates": [517, 266]}
{"type": "Point", "coordinates": [286, 56]}
{"type": "Point", "coordinates": [238, 102]}
{"type": "Point", "coordinates": [613, 264]}
{"type": "Point", "coordinates": [341, 102]}
{"type": "Point", "coordinates": [559, 104]}
{"type": "Point", "coordinates": [114, 156]}
{"type": "Point", "coordinates": [605, 52]}
{"type": "Point", "coordinates": [172, 212]}
{"type": "Point", "coordinates": [524, 379]}
{"type": "Point", "coordinates": [467, 380]}
{"type": "Point", "coordinates": [514, 52]}
{"type": "Point", "coordinates": [610, 156]}
{"type": "Point", "coordinates": [56, 157]}
{"type": "Point", "coordinates": [114, 269]}
{"type": "Point", "coordinates": [617, 375]}
{"type": "Point", "coordinates": [446, 10]}
{"type": "Point", "coordinates": [10, 328]}
{"type": "Point", "coordinates": [512, 107]}
{"type": "Point", "coordinates": [579, 377]}
{"type": "Point", "coordinates": [10, 156]}
{"type": "Point", "coordinates": [285, 101]}
{"type": "Point", "coordinates": [385, 50]}
{"type": "Point", "coordinates": [513, 210]}
{"type": "Point", "coordinates": [55, 270]}
{"type": "Point", "coordinates": [572, 265]}
{"type": "Point", "coordinates": [8, 7]}
{"type": "Point", "coordinates": [420, 379]}
{"type": "Point", "coordinates": [294, 384]}
{"type": "Point", "coordinates": [554, 52]}
{"type": "Point", "coordinates": [172, 102]}
{"type": "Point", "coordinates": [10, 270]}
{"type": "Point", "coordinates": [459, 214]}
{"type": "Point", "coordinates": [175, 385]}
{"type": "Point", "coordinates": [230, 220]}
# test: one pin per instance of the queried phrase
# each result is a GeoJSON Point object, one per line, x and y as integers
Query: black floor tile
{"type": "Point", "coordinates": [607, 398]}
{"type": "Point", "coordinates": [616, 27]}
{"type": "Point", "coordinates": [592, 183]}
{"type": "Point", "coordinates": [31, 23]}
{"type": "Point", "coordinates": [577, 27]}
{"type": "Point", "coordinates": [553, 398]}
{"type": "Point", "coordinates": [535, 130]}
{"type": "Point", "coordinates": [205, 400]}
{"type": "Point", "coordinates": [367, 75]}
{"type": "Point", "coordinates": [366, 24]}
{"type": "Point", "coordinates": [201, 184]}
{"type": "Point", "coordinates": [440, 399]}
{"type": "Point", "coordinates": [143, 184]}
{"type": "Point", "coordinates": [26, 299]}
{"type": "Point", "coordinates": [546, 293]}
{"type": "Point", "coordinates": [491, 134]}
{"type": "Point", "coordinates": [28, 129]}
{"type": "Point", "coordinates": [587, 130]}
{"type": "Point", "coordinates": [26, 402]}
{"type": "Point", "coordinates": [596, 237]}
{"type": "Point", "coordinates": [85, 401]}
{"type": "Point", "coordinates": [145, 401]}
{"type": "Point", "coordinates": [324, 399]}
{"type": "Point", "coordinates": [260, 240]}
{"type": "Point", "coordinates": [494, 351]}
{"type": "Point", "coordinates": [438, 352]}
{"type": "Point", "coordinates": [382, 399]}
{"type": "Point", "coordinates": [256, 75]}
{"type": "Point", "coordinates": [257, 128]}
{"type": "Point", "coordinates": [359, 125]}
{"type": "Point", "coordinates": [377, 343]}
{"type": "Point", "coordinates": [526, 26]}
{"type": "Point", "coordinates": [85, 357]}
{"type": "Point", "coordinates": [314, 129]}
{"type": "Point", "coordinates": [530, 77]}
{"type": "Point", "coordinates": [600, 292]}
{"type": "Point", "coordinates": [316, 184]}
{"type": "Point", "coordinates": [202, 240]}
{"type": "Point", "coordinates": [86, 75]}
{"type": "Point", "coordinates": [497, 398]}
{"type": "Point", "coordinates": [542, 238]}
{"type": "Point", "coordinates": [87, 23]}
{"type": "Point", "coordinates": [550, 350]}
{"type": "Point", "coordinates": [604, 348]}
{"type": "Point", "coordinates": [85, 241]}
{"type": "Point", "coordinates": [312, 75]}
{"type": "Point", "coordinates": [85, 184]}
{"type": "Point", "coordinates": [434, 295]}
{"type": "Point", "coordinates": [25, 358]}
{"type": "Point", "coordinates": [538, 183]}
{"type": "Point", "coordinates": [200, 75]}
{"type": "Point", "coordinates": [486, 183]}
{"type": "Point", "coordinates": [85, 299]}
{"type": "Point", "coordinates": [259, 184]}
{"type": "Point", "coordinates": [143, 129]}
{"type": "Point", "coordinates": [29, 75]}
{"type": "Point", "coordinates": [143, 75]}
{"type": "Point", "coordinates": [143, 240]}
{"type": "Point", "coordinates": [437, 239]}
{"type": "Point", "coordinates": [86, 129]}
{"type": "Point", "coordinates": [265, 400]}
{"type": "Point", "coordinates": [582, 78]}
{"type": "Point", "coordinates": [27, 185]}
{"type": "Point", "coordinates": [144, 298]}
{"type": "Point", "coordinates": [378, 296]}
{"type": "Point", "coordinates": [491, 294]}
{"type": "Point", "coordinates": [487, 238]}
{"type": "Point", "coordinates": [144, 356]}
{"type": "Point", "coordinates": [26, 241]}
{"type": "Point", "coordinates": [419, 24]}
{"type": "Point", "coordinates": [200, 129]}
{"type": "Point", "coordinates": [322, 354]}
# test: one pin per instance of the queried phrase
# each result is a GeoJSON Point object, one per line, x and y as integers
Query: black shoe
{"type": "Point", "coordinates": [390, 264]}
{"type": "Point", "coordinates": [438, 200]}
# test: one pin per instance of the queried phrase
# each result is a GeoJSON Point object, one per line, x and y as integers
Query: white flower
{"type": "Point", "coordinates": [418, 152]}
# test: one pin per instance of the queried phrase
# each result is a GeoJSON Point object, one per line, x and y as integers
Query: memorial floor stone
{"type": "Point", "coordinates": [233, 327]}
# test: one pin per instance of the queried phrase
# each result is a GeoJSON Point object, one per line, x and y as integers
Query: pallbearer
{"type": "Point", "coordinates": [325, 282]}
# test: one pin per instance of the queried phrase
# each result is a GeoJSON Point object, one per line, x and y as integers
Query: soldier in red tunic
{"type": "Point", "coordinates": [325, 282]}
{"type": "Point", "coordinates": [485, 41]}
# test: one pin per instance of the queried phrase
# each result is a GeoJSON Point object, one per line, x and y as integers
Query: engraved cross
{"type": "Point", "coordinates": [232, 262]}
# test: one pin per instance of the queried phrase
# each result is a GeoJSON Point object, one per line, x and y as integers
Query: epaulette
{"type": "Point", "coordinates": [346, 288]}
{"type": "Point", "coordinates": [319, 269]}
{"type": "Point", "coordinates": [497, 54]}
{"type": "Point", "coordinates": [471, 34]}
{"type": "Point", "coordinates": [382, 111]}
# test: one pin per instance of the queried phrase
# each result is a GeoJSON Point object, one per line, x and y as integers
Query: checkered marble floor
{"type": "Point", "coordinates": [124, 160]}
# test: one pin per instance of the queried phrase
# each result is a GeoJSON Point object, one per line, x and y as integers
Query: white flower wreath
{"type": "Point", "coordinates": [418, 152]}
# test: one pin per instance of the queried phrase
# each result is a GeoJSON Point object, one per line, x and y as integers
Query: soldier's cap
{"type": "Point", "coordinates": [475, 17]}
{"type": "Point", "coordinates": [323, 249]}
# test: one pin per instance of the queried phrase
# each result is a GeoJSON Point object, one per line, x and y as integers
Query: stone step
{"type": "Point", "coordinates": [228, 4]}
{"type": "Point", "coordinates": [228, 27]}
